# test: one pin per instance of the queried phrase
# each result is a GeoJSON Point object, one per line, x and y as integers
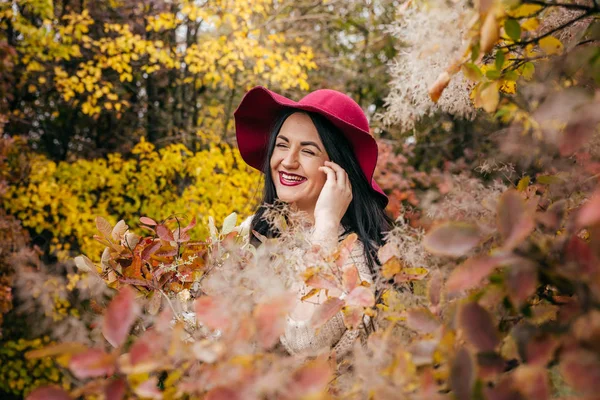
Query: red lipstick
{"type": "Point", "coordinates": [286, 182]}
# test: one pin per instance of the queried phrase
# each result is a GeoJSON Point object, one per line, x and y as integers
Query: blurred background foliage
{"type": "Point", "coordinates": [120, 108]}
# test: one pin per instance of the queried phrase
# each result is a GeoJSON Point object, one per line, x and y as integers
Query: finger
{"type": "Point", "coordinates": [331, 176]}
{"type": "Point", "coordinates": [342, 176]}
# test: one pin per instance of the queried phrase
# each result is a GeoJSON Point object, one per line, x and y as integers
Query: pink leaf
{"type": "Point", "coordinates": [345, 249]}
{"type": "Point", "coordinates": [386, 252]}
{"type": "Point", "coordinates": [434, 288]}
{"type": "Point", "coordinates": [521, 282]}
{"type": "Point", "coordinates": [212, 313]}
{"type": "Point", "coordinates": [589, 214]}
{"type": "Point", "coordinates": [164, 233]}
{"type": "Point", "coordinates": [581, 370]}
{"type": "Point", "coordinates": [120, 316]}
{"type": "Point", "coordinates": [326, 311]}
{"type": "Point", "coordinates": [452, 239]}
{"type": "Point", "coordinates": [462, 375]}
{"type": "Point", "coordinates": [582, 262]}
{"type": "Point", "coordinates": [422, 320]}
{"type": "Point", "coordinates": [470, 273]}
{"type": "Point", "coordinates": [48, 393]}
{"type": "Point", "coordinates": [540, 350]}
{"type": "Point", "coordinates": [322, 280]}
{"type": "Point", "coordinates": [93, 363]}
{"type": "Point", "coordinates": [148, 221]}
{"type": "Point", "coordinates": [422, 352]}
{"type": "Point", "coordinates": [115, 389]}
{"type": "Point", "coordinates": [149, 389]}
{"type": "Point", "coordinates": [478, 327]}
{"type": "Point", "coordinates": [515, 221]}
{"type": "Point", "coordinates": [532, 382]}
{"type": "Point", "coordinates": [222, 393]}
{"type": "Point", "coordinates": [353, 316]}
{"type": "Point", "coordinates": [361, 296]}
{"type": "Point", "coordinates": [190, 225]}
{"type": "Point", "coordinates": [310, 380]}
{"type": "Point", "coordinates": [350, 277]}
{"type": "Point", "coordinates": [270, 319]}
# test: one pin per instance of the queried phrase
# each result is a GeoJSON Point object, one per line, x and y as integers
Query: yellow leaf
{"type": "Point", "coordinates": [31, 88]}
{"type": "Point", "coordinates": [524, 10]}
{"type": "Point", "coordinates": [391, 268]}
{"type": "Point", "coordinates": [490, 97]}
{"type": "Point", "coordinates": [551, 45]}
{"type": "Point", "coordinates": [530, 24]}
{"type": "Point", "coordinates": [490, 33]}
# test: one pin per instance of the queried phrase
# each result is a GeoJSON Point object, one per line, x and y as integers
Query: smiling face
{"type": "Point", "coordinates": [297, 156]}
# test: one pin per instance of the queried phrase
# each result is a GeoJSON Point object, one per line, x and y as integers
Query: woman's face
{"type": "Point", "coordinates": [295, 163]}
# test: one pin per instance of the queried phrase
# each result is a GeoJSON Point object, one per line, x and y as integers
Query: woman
{"type": "Point", "coordinates": [318, 156]}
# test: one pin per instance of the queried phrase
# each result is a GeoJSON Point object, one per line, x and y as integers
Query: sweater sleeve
{"type": "Point", "coordinates": [299, 337]}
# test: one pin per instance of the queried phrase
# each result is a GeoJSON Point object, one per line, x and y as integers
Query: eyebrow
{"type": "Point", "coordinates": [301, 143]}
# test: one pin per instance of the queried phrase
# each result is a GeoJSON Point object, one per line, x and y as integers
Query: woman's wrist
{"type": "Point", "coordinates": [325, 233]}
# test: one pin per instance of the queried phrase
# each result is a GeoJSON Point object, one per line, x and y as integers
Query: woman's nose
{"type": "Point", "coordinates": [290, 160]}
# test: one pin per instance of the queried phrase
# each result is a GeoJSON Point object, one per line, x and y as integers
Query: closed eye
{"type": "Point", "coordinates": [309, 152]}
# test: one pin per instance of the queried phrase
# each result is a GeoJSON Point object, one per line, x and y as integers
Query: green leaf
{"type": "Point", "coordinates": [528, 71]}
{"type": "Point", "coordinates": [229, 223]}
{"type": "Point", "coordinates": [493, 74]}
{"type": "Point", "coordinates": [549, 179]}
{"type": "Point", "coordinates": [500, 57]}
{"type": "Point", "coordinates": [513, 29]}
{"type": "Point", "coordinates": [511, 75]}
{"type": "Point", "coordinates": [475, 52]}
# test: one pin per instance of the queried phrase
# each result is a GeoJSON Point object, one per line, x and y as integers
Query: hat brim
{"type": "Point", "coordinates": [258, 112]}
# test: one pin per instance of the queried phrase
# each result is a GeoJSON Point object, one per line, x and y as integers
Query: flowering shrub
{"type": "Point", "coordinates": [64, 198]}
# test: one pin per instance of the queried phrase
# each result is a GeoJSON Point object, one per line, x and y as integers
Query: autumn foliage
{"type": "Point", "coordinates": [125, 272]}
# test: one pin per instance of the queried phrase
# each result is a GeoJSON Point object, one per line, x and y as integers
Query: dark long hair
{"type": "Point", "coordinates": [365, 215]}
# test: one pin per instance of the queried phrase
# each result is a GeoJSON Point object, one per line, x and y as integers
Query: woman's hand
{"type": "Point", "coordinates": [333, 201]}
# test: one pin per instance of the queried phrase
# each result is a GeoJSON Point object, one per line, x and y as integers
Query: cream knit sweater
{"type": "Point", "coordinates": [301, 338]}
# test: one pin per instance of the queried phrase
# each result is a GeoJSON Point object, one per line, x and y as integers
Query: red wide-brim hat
{"type": "Point", "coordinates": [260, 108]}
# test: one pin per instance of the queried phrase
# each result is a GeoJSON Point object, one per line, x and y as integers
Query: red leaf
{"type": "Point", "coordinates": [462, 375]}
{"type": "Point", "coordinates": [361, 296]}
{"type": "Point", "coordinates": [115, 390]}
{"type": "Point", "coordinates": [93, 363]}
{"type": "Point", "coordinates": [540, 350]}
{"type": "Point", "coordinates": [270, 320]}
{"type": "Point", "coordinates": [350, 277]}
{"type": "Point", "coordinates": [326, 311]}
{"type": "Point", "coordinates": [490, 365]}
{"type": "Point", "coordinates": [422, 320]}
{"type": "Point", "coordinates": [581, 370]}
{"type": "Point", "coordinates": [222, 393]}
{"type": "Point", "coordinates": [48, 393]}
{"type": "Point", "coordinates": [452, 239]}
{"type": "Point", "coordinates": [589, 214]}
{"type": "Point", "coordinates": [532, 382]}
{"type": "Point", "coordinates": [212, 313]}
{"type": "Point", "coordinates": [580, 253]}
{"type": "Point", "coordinates": [190, 225]}
{"type": "Point", "coordinates": [148, 221]}
{"type": "Point", "coordinates": [521, 282]}
{"type": "Point", "coordinates": [515, 221]}
{"type": "Point", "coordinates": [164, 233]}
{"type": "Point", "coordinates": [470, 273]}
{"type": "Point", "coordinates": [478, 327]}
{"type": "Point", "coordinates": [120, 315]}
{"type": "Point", "coordinates": [150, 249]}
